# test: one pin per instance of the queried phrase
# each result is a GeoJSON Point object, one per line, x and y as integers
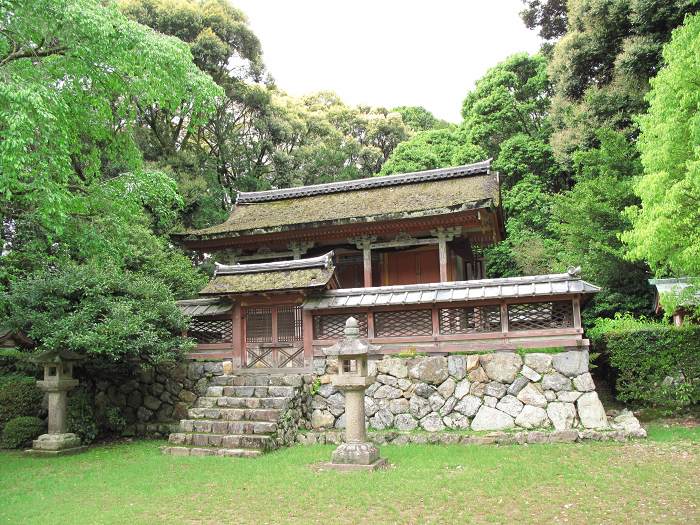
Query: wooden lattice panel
{"type": "Point", "coordinates": [289, 323]}
{"type": "Point", "coordinates": [211, 330]}
{"type": "Point", "coordinates": [403, 323]}
{"type": "Point", "coordinates": [274, 357]}
{"type": "Point", "coordinates": [479, 319]}
{"type": "Point", "coordinates": [333, 326]}
{"type": "Point", "coordinates": [258, 325]}
{"type": "Point", "coordinates": [535, 316]}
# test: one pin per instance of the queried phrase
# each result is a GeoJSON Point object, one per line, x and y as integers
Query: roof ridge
{"type": "Point", "coordinates": [365, 183]}
{"type": "Point", "coordinates": [321, 261]}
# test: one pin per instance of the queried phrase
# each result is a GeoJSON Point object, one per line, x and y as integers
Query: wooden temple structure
{"type": "Point", "coordinates": [401, 253]}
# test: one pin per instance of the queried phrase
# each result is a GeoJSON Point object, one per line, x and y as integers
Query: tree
{"type": "Point", "coordinates": [666, 226]}
{"type": "Point", "coordinates": [512, 97]}
{"type": "Point", "coordinates": [433, 149]}
{"type": "Point", "coordinates": [589, 220]}
{"type": "Point", "coordinates": [77, 202]}
{"type": "Point", "coordinates": [547, 15]}
{"type": "Point", "coordinates": [601, 67]}
{"type": "Point", "coordinates": [419, 119]}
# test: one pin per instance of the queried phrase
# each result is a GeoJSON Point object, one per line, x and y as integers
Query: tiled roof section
{"type": "Point", "coordinates": [205, 306]}
{"type": "Point", "coordinates": [314, 272]}
{"type": "Point", "coordinates": [677, 286]}
{"type": "Point", "coordinates": [322, 261]}
{"type": "Point", "coordinates": [417, 195]}
{"type": "Point", "coordinates": [539, 286]}
{"type": "Point", "coordinates": [364, 184]}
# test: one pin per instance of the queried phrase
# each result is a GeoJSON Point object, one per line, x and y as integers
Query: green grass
{"type": "Point", "coordinates": [657, 480]}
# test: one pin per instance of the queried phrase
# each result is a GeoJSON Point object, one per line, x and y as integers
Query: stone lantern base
{"type": "Point", "coordinates": [356, 456]}
{"type": "Point", "coordinates": [55, 445]}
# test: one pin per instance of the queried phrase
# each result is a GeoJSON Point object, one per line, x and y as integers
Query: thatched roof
{"type": "Point", "coordinates": [315, 272]}
{"type": "Point", "coordinates": [420, 194]}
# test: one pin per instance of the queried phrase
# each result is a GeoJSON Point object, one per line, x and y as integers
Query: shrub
{"type": "Point", "coordinates": [20, 431]}
{"type": "Point", "coordinates": [656, 364]}
{"type": "Point", "coordinates": [19, 396]}
{"type": "Point", "coordinates": [81, 416]}
{"type": "Point", "coordinates": [16, 362]}
{"type": "Point", "coordinates": [114, 421]}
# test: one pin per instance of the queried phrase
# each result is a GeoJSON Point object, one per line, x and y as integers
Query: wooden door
{"type": "Point", "coordinates": [273, 337]}
{"type": "Point", "coordinates": [413, 267]}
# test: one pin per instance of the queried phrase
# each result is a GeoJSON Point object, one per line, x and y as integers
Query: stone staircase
{"type": "Point", "coordinates": [242, 416]}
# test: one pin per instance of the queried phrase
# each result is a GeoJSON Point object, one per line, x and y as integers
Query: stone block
{"type": "Point", "coordinates": [510, 405]}
{"type": "Point", "coordinates": [462, 388]}
{"type": "Point", "coordinates": [562, 415]}
{"type": "Point", "coordinates": [419, 407]}
{"type": "Point", "coordinates": [555, 381]}
{"type": "Point", "coordinates": [447, 388]}
{"type": "Point", "coordinates": [591, 411]}
{"type": "Point", "coordinates": [405, 422]}
{"type": "Point", "coordinates": [532, 395]}
{"type": "Point", "coordinates": [531, 417]}
{"type": "Point", "coordinates": [488, 418]}
{"type": "Point", "coordinates": [431, 370]}
{"type": "Point", "coordinates": [584, 383]}
{"type": "Point", "coordinates": [432, 423]}
{"type": "Point", "coordinates": [457, 366]}
{"type": "Point", "coordinates": [571, 363]}
{"type": "Point", "coordinates": [531, 374]}
{"type": "Point", "coordinates": [495, 389]}
{"type": "Point", "coordinates": [393, 366]}
{"type": "Point", "coordinates": [468, 405]}
{"type": "Point", "coordinates": [501, 366]}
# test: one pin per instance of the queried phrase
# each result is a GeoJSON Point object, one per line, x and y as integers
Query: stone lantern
{"type": "Point", "coordinates": [356, 453]}
{"type": "Point", "coordinates": [58, 380]}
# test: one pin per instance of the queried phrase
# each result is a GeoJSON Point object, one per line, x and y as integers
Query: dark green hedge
{"type": "Point", "coordinates": [656, 364]}
{"type": "Point", "coordinates": [19, 396]}
{"type": "Point", "coordinates": [20, 431]}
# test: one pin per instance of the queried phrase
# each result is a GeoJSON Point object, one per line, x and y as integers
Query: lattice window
{"type": "Point", "coordinates": [403, 323]}
{"type": "Point", "coordinates": [289, 325]}
{"type": "Point", "coordinates": [210, 330]}
{"type": "Point", "coordinates": [478, 319]}
{"type": "Point", "coordinates": [258, 325]}
{"type": "Point", "coordinates": [534, 316]}
{"type": "Point", "coordinates": [333, 326]}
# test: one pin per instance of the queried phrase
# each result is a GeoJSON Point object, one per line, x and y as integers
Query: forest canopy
{"type": "Point", "coordinates": [121, 122]}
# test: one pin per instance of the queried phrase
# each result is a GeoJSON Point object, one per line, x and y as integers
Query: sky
{"type": "Point", "coordinates": [387, 52]}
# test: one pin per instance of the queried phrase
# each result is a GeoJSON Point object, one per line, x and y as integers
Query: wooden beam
{"type": "Point", "coordinates": [308, 336]}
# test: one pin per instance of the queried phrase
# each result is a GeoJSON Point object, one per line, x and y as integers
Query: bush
{"type": "Point", "coordinates": [656, 364]}
{"type": "Point", "coordinates": [114, 421]}
{"type": "Point", "coordinates": [81, 416]}
{"type": "Point", "coordinates": [20, 431]}
{"type": "Point", "coordinates": [16, 362]}
{"type": "Point", "coordinates": [19, 396]}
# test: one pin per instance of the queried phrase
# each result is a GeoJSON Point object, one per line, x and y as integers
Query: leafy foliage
{"type": "Point", "coordinates": [666, 227]}
{"type": "Point", "coordinates": [20, 431]}
{"type": "Point", "coordinates": [657, 364]}
{"type": "Point", "coordinates": [108, 315]}
{"type": "Point", "coordinates": [81, 416]}
{"type": "Point", "coordinates": [547, 15]}
{"type": "Point", "coordinates": [19, 396]}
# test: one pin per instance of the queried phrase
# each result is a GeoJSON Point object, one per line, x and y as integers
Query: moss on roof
{"type": "Point", "coordinates": [269, 281]}
{"type": "Point", "coordinates": [402, 201]}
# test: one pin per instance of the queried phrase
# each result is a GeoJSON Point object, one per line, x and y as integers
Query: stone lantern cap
{"type": "Point", "coordinates": [57, 356]}
{"type": "Point", "coordinates": [351, 345]}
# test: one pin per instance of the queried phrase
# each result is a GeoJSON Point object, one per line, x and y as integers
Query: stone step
{"type": "Point", "coordinates": [235, 414]}
{"type": "Point", "coordinates": [250, 391]}
{"type": "Point", "coordinates": [221, 426]}
{"type": "Point", "coordinates": [243, 402]}
{"type": "Point", "coordinates": [207, 451]}
{"type": "Point", "coordinates": [197, 439]}
{"type": "Point", "coordinates": [294, 380]}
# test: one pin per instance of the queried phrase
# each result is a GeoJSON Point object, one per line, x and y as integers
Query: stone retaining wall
{"type": "Point", "coordinates": [154, 401]}
{"type": "Point", "coordinates": [491, 391]}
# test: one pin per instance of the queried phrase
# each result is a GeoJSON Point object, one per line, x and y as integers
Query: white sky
{"type": "Point", "coordinates": [387, 52]}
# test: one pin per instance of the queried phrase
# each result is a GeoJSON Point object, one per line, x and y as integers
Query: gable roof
{"type": "Point", "coordinates": [419, 194]}
{"type": "Point", "coordinates": [204, 306]}
{"type": "Point", "coordinates": [314, 272]}
{"type": "Point", "coordinates": [535, 286]}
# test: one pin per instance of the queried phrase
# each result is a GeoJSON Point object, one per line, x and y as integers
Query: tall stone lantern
{"type": "Point", "coordinates": [356, 453]}
{"type": "Point", "coordinates": [58, 381]}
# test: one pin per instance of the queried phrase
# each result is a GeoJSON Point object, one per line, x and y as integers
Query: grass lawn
{"type": "Point", "coordinates": [651, 481]}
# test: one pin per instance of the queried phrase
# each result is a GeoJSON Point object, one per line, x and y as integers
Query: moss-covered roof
{"type": "Point", "coordinates": [269, 281]}
{"type": "Point", "coordinates": [405, 200]}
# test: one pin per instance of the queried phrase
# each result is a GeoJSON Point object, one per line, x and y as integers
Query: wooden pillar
{"type": "Point", "coordinates": [237, 339]}
{"type": "Point", "coordinates": [577, 312]}
{"type": "Point", "coordinates": [367, 265]}
{"type": "Point", "coordinates": [442, 251]}
{"type": "Point", "coordinates": [365, 244]}
{"type": "Point", "coordinates": [307, 325]}
{"type": "Point", "coordinates": [504, 318]}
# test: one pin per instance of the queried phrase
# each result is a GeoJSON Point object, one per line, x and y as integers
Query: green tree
{"type": "Point", "coordinates": [589, 220]}
{"type": "Point", "coordinates": [666, 227]}
{"type": "Point", "coordinates": [601, 67]}
{"type": "Point", "coordinates": [433, 149]}
{"type": "Point", "coordinates": [547, 15]}
{"type": "Point", "coordinates": [419, 119]}
{"type": "Point", "coordinates": [76, 198]}
{"type": "Point", "coordinates": [511, 98]}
